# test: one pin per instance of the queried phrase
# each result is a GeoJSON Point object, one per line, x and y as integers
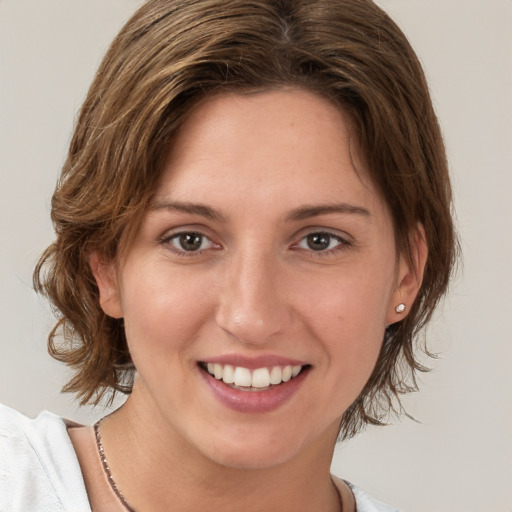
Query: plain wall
{"type": "Point", "coordinates": [459, 458]}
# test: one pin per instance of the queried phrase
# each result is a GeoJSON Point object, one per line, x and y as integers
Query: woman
{"type": "Point", "coordinates": [253, 223]}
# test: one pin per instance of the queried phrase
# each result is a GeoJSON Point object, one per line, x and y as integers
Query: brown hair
{"type": "Point", "coordinates": [171, 54]}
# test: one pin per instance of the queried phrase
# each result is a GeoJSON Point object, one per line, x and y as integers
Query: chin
{"type": "Point", "coordinates": [252, 458]}
{"type": "Point", "coordinates": [259, 449]}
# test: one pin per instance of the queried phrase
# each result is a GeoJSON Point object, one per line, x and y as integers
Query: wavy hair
{"type": "Point", "coordinates": [173, 53]}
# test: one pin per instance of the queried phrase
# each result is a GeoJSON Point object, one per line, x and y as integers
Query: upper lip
{"type": "Point", "coordinates": [251, 363]}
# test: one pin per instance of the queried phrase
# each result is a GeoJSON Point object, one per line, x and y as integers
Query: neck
{"type": "Point", "coordinates": [157, 469]}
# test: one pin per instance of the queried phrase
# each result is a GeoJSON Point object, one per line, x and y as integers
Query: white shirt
{"type": "Point", "coordinates": [39, 470]}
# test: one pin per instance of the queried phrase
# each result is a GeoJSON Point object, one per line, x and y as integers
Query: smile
{"type": "Point", "coordinates": [258, 379]}
{"type": "Point", "coordinates": [256, 384]}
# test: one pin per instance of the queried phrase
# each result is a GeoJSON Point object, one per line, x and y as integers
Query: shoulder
{"type": "Point", "coordinates": [366, 503]}
{"type": "Point", "coordinates": [38, 466]}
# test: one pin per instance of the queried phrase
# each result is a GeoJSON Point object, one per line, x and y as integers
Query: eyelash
{"type": "Point", "coordinates": [343, 244]}
{"type": "Point", "coordinates": [181, 252]}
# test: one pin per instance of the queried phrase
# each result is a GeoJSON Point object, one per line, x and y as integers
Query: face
{"type": "Point", "coordinates": [256, 293]}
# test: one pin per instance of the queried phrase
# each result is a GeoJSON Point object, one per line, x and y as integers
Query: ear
{"type": "Point", "coordinates": [409, 277]}
{"type": "Point", "coordinates": [104, 272]}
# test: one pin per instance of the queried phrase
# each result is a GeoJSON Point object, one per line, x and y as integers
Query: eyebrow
{"type": "Point", "coordinates": [192, 208]}
{"type": "Point", "coordinates": [301, 213]}
{"type": "Point", "coordinates": [306, 212]}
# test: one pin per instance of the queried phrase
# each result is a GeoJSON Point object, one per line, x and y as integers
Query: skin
{"type": "Point", "coordinates": [269, 168]}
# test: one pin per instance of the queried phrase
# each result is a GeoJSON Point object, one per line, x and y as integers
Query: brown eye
{"type": "Point", "coordinates": [321, 241]}
{"type": "Point", "coordinates": [318, 241]}
{"type": "Point", "coordinates": [189, 242]}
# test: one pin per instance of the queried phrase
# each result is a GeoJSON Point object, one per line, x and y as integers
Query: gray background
{"type": "Point", "coordinates": [459, 457]}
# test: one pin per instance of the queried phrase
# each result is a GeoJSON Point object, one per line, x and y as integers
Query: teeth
{"type": "Point", "coordinates": [242, 377]}
{"type": "Point", "coordinates": [229, 374]}
{"type": "Point", "coordinates": [276, 375]}
{"type": "Point", "coordinates": [218, 371]}
{"type": "Point", "coordinates": [259, 378]}
{"type": "Point", "coordinates": [287, 373]}
{"type": "Point", "coordinates": [296, 370]}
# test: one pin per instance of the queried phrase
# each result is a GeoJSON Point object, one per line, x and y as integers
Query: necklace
{"type": "Point", "coordinates": [116, 489]}
{"type": "Point", "coordinates": [106, 468]}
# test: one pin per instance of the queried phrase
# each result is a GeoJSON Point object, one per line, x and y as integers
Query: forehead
{"type": "Point", "coordinates": [289, 145]}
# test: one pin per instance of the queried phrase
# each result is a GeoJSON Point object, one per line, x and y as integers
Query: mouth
{"type": "Point", "coordinates": [253, 380]}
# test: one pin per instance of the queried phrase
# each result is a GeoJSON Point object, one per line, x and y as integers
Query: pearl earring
{"type": "Point", "coordinates": [400, 308]}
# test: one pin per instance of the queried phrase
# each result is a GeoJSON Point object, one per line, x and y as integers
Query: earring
{"type": "Point", "coordinates": [400, 308]}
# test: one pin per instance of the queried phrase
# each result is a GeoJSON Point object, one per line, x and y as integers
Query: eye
{"type": "Point", "coordinates": [189, 241]}
{"type": "Point", "coordinates": [321, 242]}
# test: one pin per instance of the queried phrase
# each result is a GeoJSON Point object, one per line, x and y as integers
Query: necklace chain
{"type": "Point", "coordinates": [116, 489]}
{"type": "Point", "coordinates": [106, 468]}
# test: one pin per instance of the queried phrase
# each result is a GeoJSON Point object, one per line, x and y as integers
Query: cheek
{"type": "Point", "coordinates": [353, 303]}
{"type": "Point", "coordinates": [347, 314]}
{"type": "Point", "coordinates": [163, 312]}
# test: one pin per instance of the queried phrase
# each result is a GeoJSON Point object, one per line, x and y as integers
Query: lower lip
{"type": "Point", "coordinates": [254, 401]}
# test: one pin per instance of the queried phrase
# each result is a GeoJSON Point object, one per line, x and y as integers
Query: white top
{"type": "Point", "coordinates": [39, 470]}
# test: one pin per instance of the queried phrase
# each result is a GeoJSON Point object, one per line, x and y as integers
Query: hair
{"type": "Point", "coordinates": [173, 53]}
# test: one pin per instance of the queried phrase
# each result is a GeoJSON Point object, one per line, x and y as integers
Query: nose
{"type": "Point", "coordinates": [252, 305]}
